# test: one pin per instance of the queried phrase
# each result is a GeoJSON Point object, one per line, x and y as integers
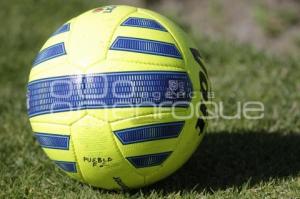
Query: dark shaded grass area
{"type": "Point", "coordinates": [238, 158]}
{"type": "Point", "coordinates": [227, 159]}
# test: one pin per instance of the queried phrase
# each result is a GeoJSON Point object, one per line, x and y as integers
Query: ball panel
{"type": "Point", "coordinates": [122, 177]}
{"type": "Point", "coordinates": [54, 69]}
{"type": "Point", "coordinates": [188, 141]}
{"type": "Point", "coordinates": [62, 154]}
{"type": "Point", "coordinates": [94, 39]}
{"type": "Point", "coordinates": [61, 151]}
{"type": "Point", "coordinates": [64, 118]}
{"type": "Point", "coordinates": [160, 47]}
{"type": "Point", "coordinates": [117, 114]}
{"type": "Point", "coordinates": [127, 65]}
{"type": "Point", "coordinates": [51, 65]}
{"type": "Point", "coordinates": [50, 128]}
{"type": "Point", "coordinates": [150, 146]}
{"type": "Point", "coordinates": [56, 65]}
{"type": "Point", "coordinates": [97, 155]}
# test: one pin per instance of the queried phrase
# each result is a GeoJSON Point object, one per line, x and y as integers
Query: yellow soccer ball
{"type": "Point", "coordinates": [116, 97]}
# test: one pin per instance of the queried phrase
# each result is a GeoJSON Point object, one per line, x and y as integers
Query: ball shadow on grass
{"type": "Point", "coordinates": [226, 160]}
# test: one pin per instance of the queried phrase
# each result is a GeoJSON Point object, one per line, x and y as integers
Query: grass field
{"type": "Point", "coordinates": [237, 159]}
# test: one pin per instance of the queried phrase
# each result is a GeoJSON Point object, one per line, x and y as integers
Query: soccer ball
{"type": "Point", "coordinates": [117, 97]}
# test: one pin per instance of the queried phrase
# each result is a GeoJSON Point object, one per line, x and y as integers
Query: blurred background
{"type": "Point", "coordinates": [270, 25]}
{"type": "Point", "coordinates": [252, 53]}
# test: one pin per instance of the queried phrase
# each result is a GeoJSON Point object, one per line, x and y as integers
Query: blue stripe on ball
{"type": "Point", "coordinates": [64, 28]}
{"type": "Point", "coordinates": [49, 53]}
{"type": "Point", "coordinates": [53, 141]}
{"type": "Point", "coordinates": [109, 90]}
{"type": "Point", "coordinates": [143, 23]}
{"type": "Point", "coordinates": [146, 46]}
{"type": "Point", "coordinates": [148, 160]}
{"type": "Point", "coordinates": [67, 166]}
{"type": "Point", "coordinates": [149, 132]}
